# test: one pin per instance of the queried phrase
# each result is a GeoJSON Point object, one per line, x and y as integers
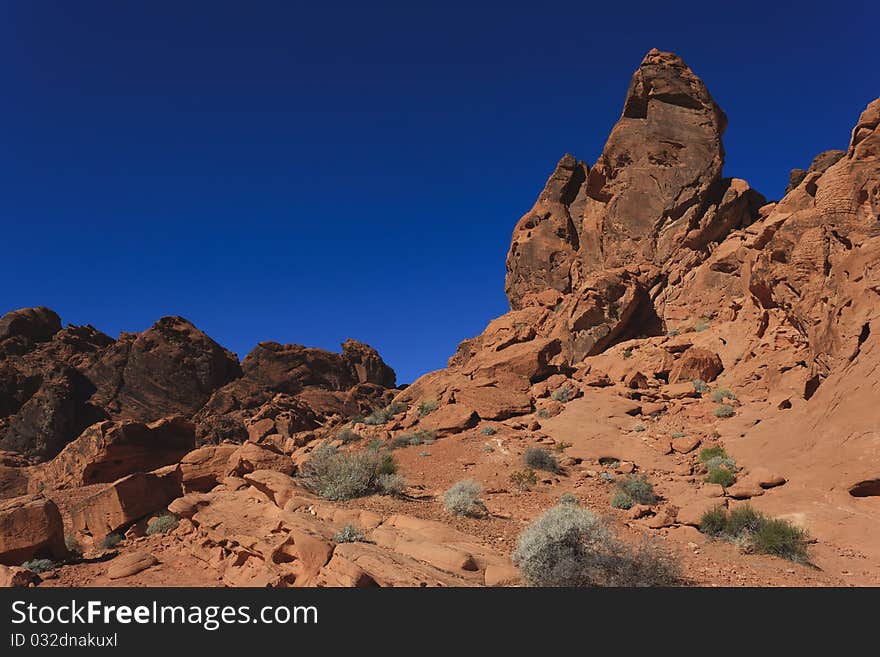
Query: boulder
{"type": "Point", "coordinates": [30, 527]}
{"type": "Point", "coordinates": [130, 563]}
{"type": "Point", "coordinates": [696, 363]}
{"type": "Point", "coordinates": [205, 467]}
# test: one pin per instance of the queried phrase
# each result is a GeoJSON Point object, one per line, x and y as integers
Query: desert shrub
{"type": "Point", "coordinates": [111, 540]}
{"type": "Point", "coordinates": [637, 488]}
{"type": "Point", "coordinates": [336, 475]}
{"type": "Point", "coordinates": [708, 453]}
{"type": "Point", "coordinates": [721, 476]}
{"type": "Point", "coordinates": [349, 534]}
{"type": "Point", "coordinates": [757, 533]}
{"type": "Point", "coordinates": [627, 353]}
{"type": "Point", "coordinates": [679, 434]}
{"type": "Point", "coordinates": [639, 428]}
{"type": "Point", "coordinates": [621, 500]}
{"type": "Point", "coordinates": [391, 484]}
{"type": "Point", "coordinates": [540, 459]}
{"type": "Point", "coordinates": [780, 538]}
{"type": "Point", "coordinates": [422, 437]}
{"type": "Point", "coordinates": [523, 479]}
{"type": "Point", "coordinates": [701, 325]}
{"type": "Point", "coordinates": [569, 546]}
{"type": "Point", "coordinates": [463, 499]}
{"type": "Point", "coordinates": [672, 333]}
{"type": "Point", "coordinates": [347, 436]}
{"type": "Point", "coordinates": [743, 519]}
{"type": "Point", "coordinates": [403, 440]}
{"type": "Point", "coordinates": [720, 394]}
{"type": "Point", "coordinates": [424, 453]}
{"type": "Point", "coordinates": [72, 544]}
{"type": "Point", "coordinates": [700, 386]}
{"type": "Point", "coordinates": [427, 406]}
{"type": "Point", "coordinates": [562, 394]}
{"type": "Point", "coordinates": [382, 415]}
{"type": "Point", "coordinates": [543, 413]}
{"type": "Point", "coordinates": [568, 498]}
{"type": "Point", "coordinates": [488, 431]}
{"type": "Point", "coordinates": [714, 521]}
{"type": "Point", "coordinates": [721, 462]}
{"type": "Point", "coordinates": [162, 524]}
{"type": "Point", "coordinates": [39, 565]}
{"type": "Point", "coordinates": [725, 410]}
{"type": "Point", "coordinates": [488, 448]}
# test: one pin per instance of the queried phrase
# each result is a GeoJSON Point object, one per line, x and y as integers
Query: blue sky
{"type": "Point", "coordinates": [283, 171]}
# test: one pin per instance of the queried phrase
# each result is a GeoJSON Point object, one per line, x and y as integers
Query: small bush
{"type": "Point", "coordinates": [72, 544]}
{"type": "Point", "coordinates": [540, 459]}
{"type": "Point", "coordinates": [721, 462]}
{"type": "Point", "coordinates": [111, 540]}
{"type": "Point", "coordinates": [488, 431]}
{"type": "Point", "coordinates": [721, 394]}
{"type": "Point", "coordinates": [725, 410]}
{"type": "Point", "coordinates": [391, 484]}
{"type": "Point", "coordinates": [562, 394]}
{"type": "Point", "coordinates": [488, 448]}
{"type": "Point", "coordinates": [383, 415]}
{"type": "Point", "coordinates": [708, 453]}
{"type": "Point", "coordinates": [39, 565]}
{"type": "Point", "coordinates": [347, 436]}
{"type": "Point", "coordinates": [627, 353]}
{"type": "Point", "coordinates": [349, 534]}
{"type": "Point", "coordinates": [427, 406]}
{"type": "Point", "coordinates": [701, 325]}
{"type": "Point", "coordinates": [714, 521]}
{"type": "Point", "coordinates": [672, 333]}
{"type": "Point", "coordinates": [162, 524]}
{"type": "Point", "coordinates": [621, 500]}
{"type": "Point", "coordinates": [424, 453]}
{"type": "Point", "coordinates": [679, 434]}
{"type": "Point", "coordinates": [757, 533]}
{"type": "Point", "coordinates": [463, 499]}
{"type": "Point", "coordinates": [336, 475]}
{"type": "Point", "coordinates": [568, 498]}
{"type": "Point", "coordinates": [543, 413]}
{"type": "Point", "coordinates": [639, 428]}
{"type": "Point", "coordinates": [700, 386]}
{"type": "Point", "coordinates": [569, 546]}
{"type": "Point", "coordinates": [524, 479]}
{"type": "Point", "coordinates": [721, 476]}
{"type": "Point", "coordinates": [637, 488]}
{"type": "Point", "coordinates": [782, 539]}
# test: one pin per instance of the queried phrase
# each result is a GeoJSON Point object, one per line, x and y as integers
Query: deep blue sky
{"type": "Point", "coordinates": [301, 174]}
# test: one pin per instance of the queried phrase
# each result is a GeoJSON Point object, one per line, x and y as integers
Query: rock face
{"type": "Point", "coordinates": [30, 527]}
{"type": "Point", "coordinates": [170, 369]}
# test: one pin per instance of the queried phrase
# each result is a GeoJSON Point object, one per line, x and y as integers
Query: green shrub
{"type": "Point", "coordinates": [111, 540]}
{"type": "Point", "coordinates": [720, 394]}
{"type": "Point", "coordinates": [708, 453]}
{"type": "Point", "coordinates": [524, 479]}
{"type": "Point", "coordinates": [347, 436]}
{"type": "Point", "coordinates": [637, 488]}
{"type": "Point", "coordinates": [679, 434]}
{"type": "Point", "coordinates": [424, 453]}
{"type": "Point", "coordinates": [336, 475]}
{"type": "Point", "coordinates": [162, 524]}
{"type": "Point", "coordinates": [700, 386]}
{"type": "Point", "coordinates": [568, 498]}
{"type": "Point", "coordinates": [621, 500]}
{"type": "Point", "coordinates": [463, 499]}
{"type": "Point", "coordinates": [349, 534]}
{"type": "Point", "coordinates": [427, 406]}
{"type": "Point", "coordinates": [757, 533]}
{"type": "Point", "coordinates": [391, 484]}
{"type": "Point", "coordinates": [781, 539]}
{"type": "Point", "coordinates": [569, 546]}
{"type": "Point", "coordinates": [672, 333]}
{"type": "Point", "coordinates": [725, 410]}
{"type": "Point", "coordinates": [39, 565]}
{"type": "Point", "coordinates": [540, 459]}
{"type": "Point", "coordinates": [721, 476]}
{"type": "Point", "coordinates": [488, 431]}
{"type": "Point", "coordinates": [627, 353]}
{"type": "Point", "coordinates": [721, 462]}
{"type": "Point", "coordinates": [543, 413]}
{"type": "Point", "coordinates": [383, 415]}
{"type": "Point", "coordinates": [701, 325]}
{"type": "Point", "coordinates": [421, 437]}
{"type": "Point", "coordinates": [639, 428]}
{"type": "Point", "coordinates": [562, 394]}
{"type": "Point", "coordinates": [714, 521]}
